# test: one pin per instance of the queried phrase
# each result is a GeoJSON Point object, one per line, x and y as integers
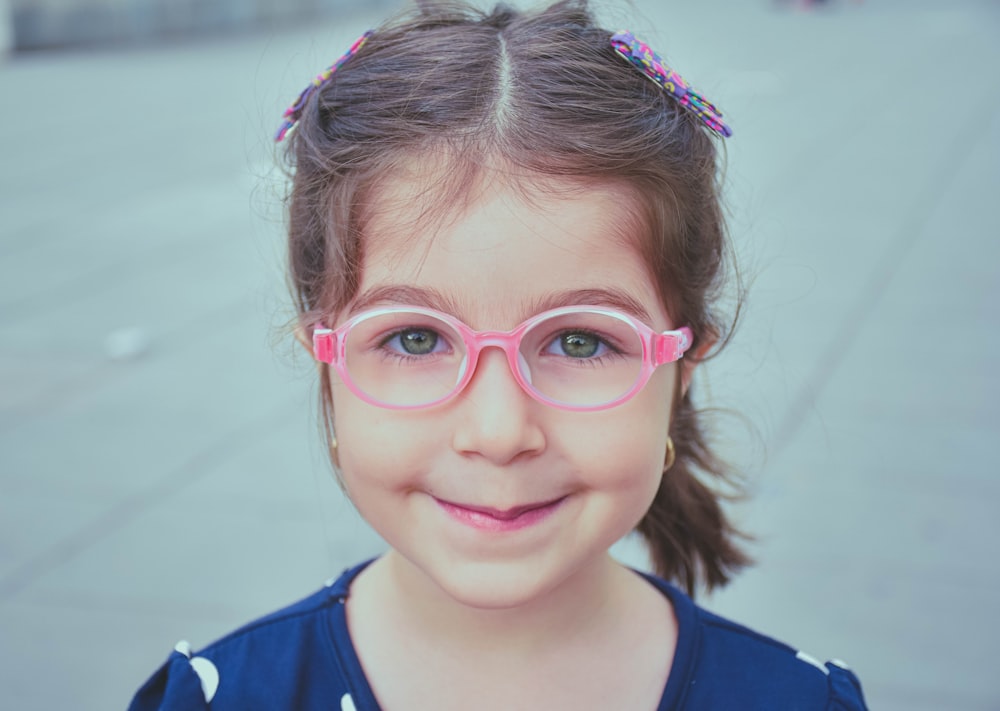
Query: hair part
{"type": "Point", "coordinates": [543, 98]}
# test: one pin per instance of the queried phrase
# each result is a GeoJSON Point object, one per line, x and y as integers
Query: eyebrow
{"type": "Point", "coordinates": [401, 294]}
{"type": "Point", "coordinates": [611, 297]}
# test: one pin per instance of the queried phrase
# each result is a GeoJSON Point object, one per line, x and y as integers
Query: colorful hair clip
{"type": "Point", "coordinates": [293, 112]}
{"type": "Point", "coordinates": [639, 54]}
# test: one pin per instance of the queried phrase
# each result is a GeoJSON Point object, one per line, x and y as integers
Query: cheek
{"type": "Point", "coordinates": [380, 449]}
{"type": "Point", "coordinates": [625, 447]}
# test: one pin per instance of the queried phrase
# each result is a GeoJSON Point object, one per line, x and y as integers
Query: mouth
{"type": "Point", "coordinates": [492, 519]}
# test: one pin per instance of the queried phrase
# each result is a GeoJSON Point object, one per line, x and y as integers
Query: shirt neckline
{"type": "Point", "coordinates": [685, 612]}
{"type": "Point", "coordinates": [682, 666]}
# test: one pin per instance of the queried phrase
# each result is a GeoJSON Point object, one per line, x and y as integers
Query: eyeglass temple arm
{"type": "Point", "coordinates": [670, 346]}
{"type": "Point", "coordinates": [323, 345]}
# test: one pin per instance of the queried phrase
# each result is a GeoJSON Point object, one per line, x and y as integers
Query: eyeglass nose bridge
{"type": "Point", "coordinates": [507, 341]}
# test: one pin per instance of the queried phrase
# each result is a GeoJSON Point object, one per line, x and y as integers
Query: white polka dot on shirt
{"type": "Point", "coordinates": [208, 674]}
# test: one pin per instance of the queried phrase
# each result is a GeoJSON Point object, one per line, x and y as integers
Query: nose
{"type": "Point", "coordinates": [497, 419]}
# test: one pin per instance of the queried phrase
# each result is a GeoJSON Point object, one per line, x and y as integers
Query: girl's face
{"type": "Point", "coordinates": [444, 485]}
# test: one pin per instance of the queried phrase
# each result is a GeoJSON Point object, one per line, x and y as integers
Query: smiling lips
{"type": "Point", "coordinates": [490, 519]}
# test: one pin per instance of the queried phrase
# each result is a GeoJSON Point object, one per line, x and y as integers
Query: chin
{"type": "Point", "coordinates": [497, 585]}
{"type": "Point", "coordinates": [490, 593]}
{"type": "Point", "coordinates": [484, 593]}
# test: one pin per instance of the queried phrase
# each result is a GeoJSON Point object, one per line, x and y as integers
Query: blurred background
{"type": "Point", "coordinates": [161, 472]}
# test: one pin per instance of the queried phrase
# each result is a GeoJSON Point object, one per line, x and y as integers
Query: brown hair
{"type": "Point", "coordinates": [541, 93]}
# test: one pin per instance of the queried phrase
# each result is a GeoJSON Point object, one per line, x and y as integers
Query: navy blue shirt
{"type": "Point", "coordinates": [302, 658]}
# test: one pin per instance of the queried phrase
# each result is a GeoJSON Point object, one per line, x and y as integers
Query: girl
{"type": "Point", "coordinates": [505, 239]}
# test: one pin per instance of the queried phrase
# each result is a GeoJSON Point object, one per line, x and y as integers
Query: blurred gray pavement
{"type": "Point", "coordinates": [161, 473]}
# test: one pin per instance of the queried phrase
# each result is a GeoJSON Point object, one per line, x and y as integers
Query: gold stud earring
{"type": "Point", "coordinates": [334, 455]}
{"type": "Point", "coordinates": [671, 454]}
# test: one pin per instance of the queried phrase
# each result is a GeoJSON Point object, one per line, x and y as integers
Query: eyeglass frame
{"type": "Point", "coordinates": [658, 348]}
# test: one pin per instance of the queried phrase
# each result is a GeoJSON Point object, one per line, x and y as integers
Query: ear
{"type": "Point", "coordinates": [692, 359]}
{"type": "Point", "coordinates": [304, 336]}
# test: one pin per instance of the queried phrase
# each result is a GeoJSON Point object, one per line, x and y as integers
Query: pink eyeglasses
{"type": "Point", "coordinates": [579, 358]}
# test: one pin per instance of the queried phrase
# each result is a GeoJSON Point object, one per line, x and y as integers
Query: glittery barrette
{"type": "Point", "coordinates": [293, 112]}
{"type": "Point", "coordinates": [651, 65]}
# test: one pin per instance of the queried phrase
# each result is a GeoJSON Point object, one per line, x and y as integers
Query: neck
{"type": "Point", "coordinates": [579, 606]}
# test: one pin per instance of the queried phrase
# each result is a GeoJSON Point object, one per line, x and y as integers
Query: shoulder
{"type": "Point", "coordinates": [287, 659]}
{"type": "Point", "coordinates": [722, 664]}
{"type": "Point", "coordinates": [772, 673]}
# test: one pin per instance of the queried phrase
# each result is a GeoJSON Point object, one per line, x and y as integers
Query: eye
{"type": "Point", "coordinates": [415, 341]}
{"type": "Point", "coordinates": [578, 344]}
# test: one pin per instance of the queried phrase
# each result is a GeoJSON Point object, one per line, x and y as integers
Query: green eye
{"type": "Point", "coordinates": [579, 345]}
{"type": "Point", "coordinates": [418, 342]}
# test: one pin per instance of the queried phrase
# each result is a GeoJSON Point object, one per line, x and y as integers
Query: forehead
{"type": "Point", "coordinates": [493, 249]}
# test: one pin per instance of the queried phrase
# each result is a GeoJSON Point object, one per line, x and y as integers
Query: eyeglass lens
{"type": "Point", "coordinates": [409, 359]}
